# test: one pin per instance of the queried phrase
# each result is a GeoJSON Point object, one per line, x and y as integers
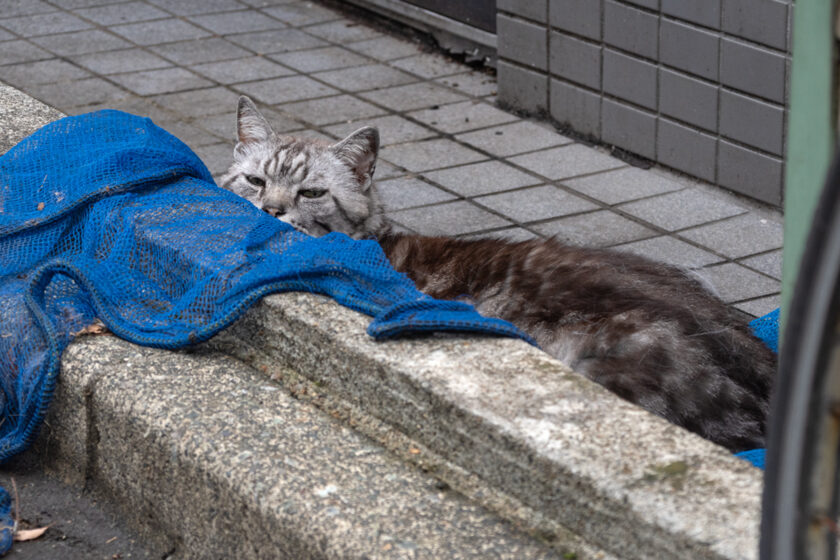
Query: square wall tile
{"type": "Point", "coordinates": [686, 149]}
{"type": "Point", "coordinates": [522, 42]}
{"type": "Point", "coordinates": [519, 87]}
{"type": "Point", "coordinates": [581, 17]}
{"type": "Point", "coordinates": [576, 60]}
{"type": "Point", "coordinates": [628, 128]}
{"type": "Point", "coordinates": [630, 29]}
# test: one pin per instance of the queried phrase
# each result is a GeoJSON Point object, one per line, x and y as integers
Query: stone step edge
{"type": "Point", "coordinates": [209, 458]}
{"type": "Point", "coordinates": [522, 423]}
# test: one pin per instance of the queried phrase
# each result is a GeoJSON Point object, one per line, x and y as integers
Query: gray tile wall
{"type": "Point", "coordinates": [696, 85]}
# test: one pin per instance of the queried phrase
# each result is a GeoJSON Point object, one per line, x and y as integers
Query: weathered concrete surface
{"type": "Point", "coordinates": [525, 424]}
{"type": "Point", "coordinates": [20, 116]}
{"type": "Point", "coordinates": [215, 460]}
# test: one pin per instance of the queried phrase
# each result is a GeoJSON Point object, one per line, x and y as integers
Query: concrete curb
{"type": "Point", "coordinates": [192, 448]}
{"type": "Point", "coordinates": [525, 425]}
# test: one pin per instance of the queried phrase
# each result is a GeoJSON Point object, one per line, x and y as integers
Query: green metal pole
{"type": "Point", "coordinates": [812, 125]}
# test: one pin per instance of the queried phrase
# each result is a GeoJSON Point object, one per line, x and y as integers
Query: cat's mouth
{"type": "Point", "coordinates": [316, 229]}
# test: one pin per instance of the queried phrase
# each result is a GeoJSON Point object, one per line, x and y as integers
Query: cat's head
{"type": "Point", "coordinates": [315, 186]}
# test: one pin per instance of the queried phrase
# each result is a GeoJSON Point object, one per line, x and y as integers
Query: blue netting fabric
{"type": "Point", "coordinates": [107, 216]}
{"type": "Point", "coordinates": [767, 329]}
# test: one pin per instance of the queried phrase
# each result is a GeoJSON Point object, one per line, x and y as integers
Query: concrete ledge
{"type": "Point", "coordinates": [213, 460]}
{"type": "Point", "coordinates": [194, 446]}
{"type": "Point", "coordinates": [525, 425]}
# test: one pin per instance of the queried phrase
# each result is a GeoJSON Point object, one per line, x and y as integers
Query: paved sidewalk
{"type": "Point", "coordinates": [452, 162]}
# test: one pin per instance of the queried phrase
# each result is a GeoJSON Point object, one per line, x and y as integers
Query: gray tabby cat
{"type": "Point", "coordinates": [647, 331]}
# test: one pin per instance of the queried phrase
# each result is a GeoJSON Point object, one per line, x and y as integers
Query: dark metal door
{"type": "Point", "coordinates": [475, 13]}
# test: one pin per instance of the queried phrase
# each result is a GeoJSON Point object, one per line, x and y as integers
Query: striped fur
{"type": "Point", "coordinates": [315, 186]}
{"type": "Point", "coordinates": [651, 333]}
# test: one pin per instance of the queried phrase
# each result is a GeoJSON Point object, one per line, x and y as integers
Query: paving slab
{"type": "Point", "coordinates": [286, 89]}
{"type": "Point", "coordinates": [413, 96]}
{"type": "Point", "coordinates": [197, 51]}
{"type": "Point", "coordinates": [44, 24]}
{"type": "Point", "coordinates": [672, 251]}
{"type": "Point", "coordinates": [429, 65]}
{"type": "Point", "coordinates": [364, 78]}
{"type": "Point", "coordinates": [302, 14]}
{"type": "Point", "coordinates": [393, 129]}
{"type": "Point", "coordinates": [535, 203]}
{"type": "Point", "coordinates": [735, 283]}
{"type": "Point", "coordinates": [236, 22]}
{"type": "Point", "coordinates": [113, 62]}
{"type": "Point", "coordinates": [769, 263]}
{"type": "Point", "coordinates": [164, 80]}
{"type": "Point", "coordinates": [759, 307]}
{"type": "Point", "coordinates": [334, 109]}
{"type": "Point", "coordinates": [602, 228]}
{"type": "Point", "coordinates": [682, 209]}
{"type": "Point", "coordinates": [81, 42]}
{"type": "Point", "coordinates": [127, 12]}
{"type": "Point", "coordinates": [621, 185]}
{"type": "Point", "coordinates": [21, 51]}
{"type": "Point", "coordinates": [272, 42]}
{"type": "Point", "coordinates": [449, 218]}
{"type": "Point", "coordinates": [325, 58]}
{"type": "Point", "coordinates": [567, 161]}
{"type": "Point", "coordinates": [342, 31]}
{"type": "Point", "coordinates": [385, 48]}
{"type": "Point", "coordinates": [426, 155]}
{"type": "Point", "coordinates": [463, 116]}
{"type": "Point", "coordinates": [739, 236]}
{"type": "Point", "coordinates": [42, 72]}
{"type": "Point", "coordinates": [241, 70]}
{"type": "Point", "coordinates": [77, 92]}
{"type": "Point", "coordinates": [515, 138]}
{"type": "Point", "coordinates": [408, 192]}
{"type": "Point", "coordinates": [482, 178]}
{"type": "Point", "coordinates": [195, 7]}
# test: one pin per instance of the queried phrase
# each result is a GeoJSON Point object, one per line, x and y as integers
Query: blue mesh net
{"type": "Point", "coordinates": [767, 329]}
{"type": "Point", "coordinates": [107, 216]}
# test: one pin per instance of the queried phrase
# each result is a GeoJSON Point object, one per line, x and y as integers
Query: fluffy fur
{"type": "Point", "coordinates": [649, 332]}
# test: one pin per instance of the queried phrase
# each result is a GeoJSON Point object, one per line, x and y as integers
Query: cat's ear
{"type": "Point", "coordinates": [359, 151]}
{"type": "Point", "coordinates": [251, 126]}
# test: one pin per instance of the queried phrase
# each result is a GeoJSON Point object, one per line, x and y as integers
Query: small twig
{"type": "Point", "coordinates": [16, 504]}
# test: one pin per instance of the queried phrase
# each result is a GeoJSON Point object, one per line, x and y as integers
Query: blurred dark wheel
{"type": "Point", "coordinates": [800, 506]}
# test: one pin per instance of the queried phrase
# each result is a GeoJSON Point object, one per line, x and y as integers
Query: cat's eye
{"type": "Point", "coordinates": [256, 181]}
{"type": "Point", "coordinates": [309, 193]}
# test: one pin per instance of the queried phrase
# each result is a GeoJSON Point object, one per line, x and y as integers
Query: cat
{"type": "Point", "coordinates": [649, 332]}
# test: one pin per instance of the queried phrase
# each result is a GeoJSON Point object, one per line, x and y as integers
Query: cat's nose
{"type": "Point", "coordinates": [275, 211]}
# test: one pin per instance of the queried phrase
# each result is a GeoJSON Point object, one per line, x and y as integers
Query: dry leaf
{"type": "Point", "coordinates": [40, 206]}
{"type": "Point", "coordinates": [414, 451]}
{"type": "Point", "coordinates": [29, 534]}
{"type": "Point", "coordinates": [94, 328]}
